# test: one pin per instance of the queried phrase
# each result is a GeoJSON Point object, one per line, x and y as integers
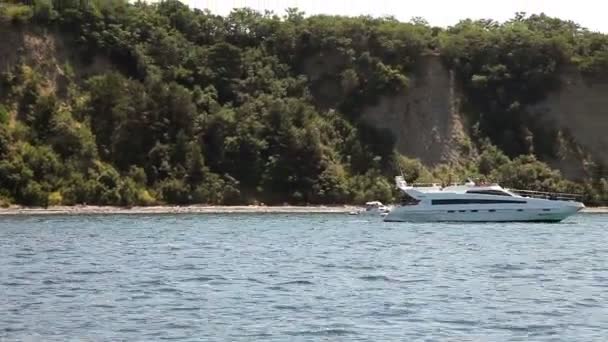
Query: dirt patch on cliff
{"type": "Point", "coordinates": [425, 119]}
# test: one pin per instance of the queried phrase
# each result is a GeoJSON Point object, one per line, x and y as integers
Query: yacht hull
{"type": "Point", "coordinates": [412, 214]}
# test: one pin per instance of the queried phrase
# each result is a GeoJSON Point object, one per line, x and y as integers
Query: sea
{"type": "Point", "coordinates": [300, 277]}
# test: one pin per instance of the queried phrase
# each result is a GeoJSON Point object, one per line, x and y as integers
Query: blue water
{"type": "Point", "coordinates": [300, 278]}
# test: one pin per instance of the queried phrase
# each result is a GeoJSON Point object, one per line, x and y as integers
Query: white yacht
{"type": "Point", "coordinates": [471, 202]}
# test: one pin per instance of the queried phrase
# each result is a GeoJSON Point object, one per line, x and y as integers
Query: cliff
{"type": "Point", "coordinates": [579, 109]}
{"type": "Point", "coordinates": [54, 55]}
{"type": "Point", "coordinates": [425, 120]}
{"type": "Point", "coordinates": [428, 124]}
{"type": "Point", "coordinates": [120, 103]}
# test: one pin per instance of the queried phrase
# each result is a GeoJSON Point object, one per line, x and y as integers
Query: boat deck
{"type": "Point", "coordinates": [556, 196]}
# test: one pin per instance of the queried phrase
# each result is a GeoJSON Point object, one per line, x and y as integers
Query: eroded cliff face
{"type": "Point", "coordinates": [579, 109]}
{"type": "Point", "coordinates": [50, 54]}
{"type": "Point", "coordinates": [43, 51]}
{"type": "Point", "coordinates": [425, 120]}
{"type": "Point", "coordinates": [427, 123]}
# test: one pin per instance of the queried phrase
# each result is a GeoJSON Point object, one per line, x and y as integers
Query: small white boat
{"type": "Point", "coordinates": [470, 202]}
{"type": "Point", "coordinates": [373, 208]}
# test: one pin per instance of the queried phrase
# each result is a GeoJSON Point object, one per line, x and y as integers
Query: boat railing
{"type": "Point", "coordinates": [558, 196]}
{"type": "Point", "coordinates": [434, 185]}
{"type": "Point", "coordinates": [425, 185]}
{"type": "Point", "coordinates": [443, 185]}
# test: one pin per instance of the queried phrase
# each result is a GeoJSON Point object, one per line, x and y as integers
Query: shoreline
{"type": "Point", "coordinates": [199, 209]}
{"type": "Point", "coordinates": [194, 209]}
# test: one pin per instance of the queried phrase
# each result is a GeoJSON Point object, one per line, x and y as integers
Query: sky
{"type": "Point", "coordinates": [587, 13]}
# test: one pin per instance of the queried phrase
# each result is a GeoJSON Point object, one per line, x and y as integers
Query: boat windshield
{"type": "Point", "coordinates": [489, 192]}
{"type": "Point", "coordinates": [408, 200]}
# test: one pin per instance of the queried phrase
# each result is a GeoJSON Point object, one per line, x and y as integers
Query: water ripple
{"type": "Point", "coordinates": [379, 278]}
{"type": "Point", "coordinates": [300, 277]}
{"type": "Point", "coordinates": [296, 282]}
{"type": "Point", "coordinates": [323, 332]}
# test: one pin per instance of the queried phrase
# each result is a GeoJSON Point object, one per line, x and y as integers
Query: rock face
{"type": "Point", "coordinates": [46, 52]}
{"type": "Point", "coordinates": [427, 124]}
{"type": "Point", "coordinates": [49, 53]}
{"type": "Point", "coordinates": [425, 120]}
{"type": "Point", "coordinates": [580, 110]}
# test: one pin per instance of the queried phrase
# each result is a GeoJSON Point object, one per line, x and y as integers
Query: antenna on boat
{"type": "Point", "coordinates": [400, 180]}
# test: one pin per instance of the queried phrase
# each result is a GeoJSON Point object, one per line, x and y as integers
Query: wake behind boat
{"type": "Point", "coordinates": [470, 202]}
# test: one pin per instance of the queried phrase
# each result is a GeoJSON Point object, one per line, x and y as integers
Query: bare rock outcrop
{"type": "Point", "coordinates": [425, 120]}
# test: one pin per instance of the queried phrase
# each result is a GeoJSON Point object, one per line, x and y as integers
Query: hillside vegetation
{"type": "Point", "coordinates": [113, 103]}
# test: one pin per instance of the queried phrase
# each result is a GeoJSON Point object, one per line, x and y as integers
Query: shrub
{"type": "Point", "coordinates": [138, 175]}
{"type": "Point", "coordinates": [332, 186]}
{"type": "Point", "coordinates": [491, 159]}
{"type": "Point", "coordinates": [43, 10]}
{"type": "Point", "coordinates": [412, 170]}
{"type": "Point", "coordinates": [4, 202]}
{"type": "Point", "coordinates": [175, 191]}
{"type": "Point", "coordinates": [70, 137]}
{"type": "Point", "coordinates": [526, 172]}
{"type": "Point", "coordinates": [17, 14]}
{"type": "Point", "coordinates": [79, 190]}
{"type": "Point", "coordinates": [4, 115]}
{"type": "Point", "coordinates": [34, 195]}
{"type": "Point", "coordinates": [371, 186]}
{"type": "Point", "coordinates": [145, 198]}
{"type": "Point", "coordinates": [128, 192]}
{"type": "Point", "coordinates": [55, 198]}
{"type": "Point", "coordinates": [5, 141]}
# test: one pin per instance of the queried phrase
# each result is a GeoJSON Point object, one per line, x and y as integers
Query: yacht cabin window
{"type": "Point", "coordinates": [474, 201]}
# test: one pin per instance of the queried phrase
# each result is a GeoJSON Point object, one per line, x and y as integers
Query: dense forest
{"type": "Point", "coordinates": [198, 108]}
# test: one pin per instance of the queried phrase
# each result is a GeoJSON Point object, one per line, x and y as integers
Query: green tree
{"type": "Point", "coordinates": [129, 103]}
